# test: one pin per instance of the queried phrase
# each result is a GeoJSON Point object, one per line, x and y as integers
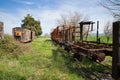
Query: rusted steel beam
{"type": "Point", "coordinates": [86, 22]}
{"type": "Point", "coordinates": [81, 27]}
{"type": "Point", "coordinates": [88, 48]}
{"type": "Point", "coordinates": [95, 54]}
{"type": "Point", "coordinates": [97, 36]}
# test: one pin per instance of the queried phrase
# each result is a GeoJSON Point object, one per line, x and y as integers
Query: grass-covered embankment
{"type": "Point", "coordinates": [43, 61]}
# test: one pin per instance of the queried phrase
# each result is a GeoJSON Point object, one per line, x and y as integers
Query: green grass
{"type": "Point", "coordinates": [103, 39]}
{"type": "Point", "coordinates": [43, 61]}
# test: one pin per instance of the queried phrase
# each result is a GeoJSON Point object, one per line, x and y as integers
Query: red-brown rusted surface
{"type": "Point", "coordinates": [67, 34]}
{"type": "Point", "coordinates": [23, 35]}
{"type": "Point", "coordinates": [94, 50]}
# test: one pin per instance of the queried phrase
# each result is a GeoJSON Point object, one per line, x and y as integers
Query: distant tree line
{"type": "Point", "coordinates": [72, 19]}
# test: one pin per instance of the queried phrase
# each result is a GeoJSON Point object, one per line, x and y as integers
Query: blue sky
{"type": "Point", "coordinates": [48, 11]}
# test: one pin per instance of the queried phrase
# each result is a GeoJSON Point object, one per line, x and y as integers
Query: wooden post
{"type": "Point", "coordinates": [97, 36]}
{"type": "Point", "coordinates": [63, 33]}
{"type": "Point", "coordinates": [81, 31]}
{"type": "Point", "coordinates": [70, 33]}
{"type": "Point", "coordinates": [116, 51]}
{"type": "Point", "coordinates": [73, 33]}
{"type": "Point", "coordinates": [1, 30]}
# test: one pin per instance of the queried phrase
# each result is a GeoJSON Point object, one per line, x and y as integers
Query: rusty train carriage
{"type": "Point", "coordinates": [23, 35]}
{"type": "Point", "coordinates": [93, 50]}
{"type": "Point", "coordinates": [1, 30]}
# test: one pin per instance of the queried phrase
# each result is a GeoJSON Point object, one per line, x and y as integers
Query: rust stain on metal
{"type": "Point", "coordinates": [94, 50]}
{"type": "Point", "coordinates": [23, 35]}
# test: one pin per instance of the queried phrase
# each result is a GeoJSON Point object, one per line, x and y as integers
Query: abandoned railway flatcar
{"type": "Point", "coordinates": [23, 35]}
{"type": "Point", "coordinates": [1, 30]}
{"type": "Point", "coordinates": [65, 36]}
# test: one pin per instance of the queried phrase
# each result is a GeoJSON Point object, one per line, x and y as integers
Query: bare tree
{"type": "Point", "coordinates": [70, 18]}
{"type": "Point", "coordinates": [63, 20]}
{"type": "Point", "coordinates": [74, 18]}
{"type": "Point", "coordinates": [113, 6]}
{"type": "Point", "coordinates": [108, 31]}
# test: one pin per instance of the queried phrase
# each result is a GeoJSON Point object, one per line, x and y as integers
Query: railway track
{"type": "Point", "coordinates": [66, 36]}
{"type": "Point", "coordinates": [87, 72]}
{"type": "Point", "coordinates": [90, 74]}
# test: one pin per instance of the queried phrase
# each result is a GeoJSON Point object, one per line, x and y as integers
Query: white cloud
{"type": "Point", "coordinates": [29, 3]}
{"type": "Point", "coordinates": [48, 16]}
{"type": "Point", "coordinates": [10, 21]}
{"type": "Point", "coordinates": [92, 9]}
{"type": "Point", "coordinates": [25, 2]}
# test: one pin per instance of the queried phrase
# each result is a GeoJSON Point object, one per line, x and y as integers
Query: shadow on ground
{"type": "Point", "coordinates": [79, 68]}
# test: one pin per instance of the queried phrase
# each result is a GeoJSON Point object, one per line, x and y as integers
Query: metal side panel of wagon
{"type": "Point", "coordinates": [17, 33]}
{"type": "Point", "coordinates": [26, 35]}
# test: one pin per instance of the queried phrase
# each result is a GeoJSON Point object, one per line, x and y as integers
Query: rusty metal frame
{"type": "Point", "coordinates": [79, 47]}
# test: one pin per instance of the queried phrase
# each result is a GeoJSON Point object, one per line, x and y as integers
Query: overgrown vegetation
{"type": "Point", "coordinates": [30, 23]}
{"type": "Point", "coordinates": [9, 47]}
{"type": "Point", "coordinates": [44, 61]}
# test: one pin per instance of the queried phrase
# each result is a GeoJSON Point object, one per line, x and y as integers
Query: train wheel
{"type": "Point", "coordinates": [60, 45]}
{"type": "Point", "coordinates": [101, 57]}
{"type": "Point", "coordinates": [78, 56]}
{"type": "Point", "coordinates": [67, 49]}
{"type": "Point", "coordinates": [94, 57]}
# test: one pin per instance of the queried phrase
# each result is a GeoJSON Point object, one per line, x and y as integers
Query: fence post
{"type": "Point", "coordinates": [116, 51]}
{"type": "Point", "coordinates": [1, 30]}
